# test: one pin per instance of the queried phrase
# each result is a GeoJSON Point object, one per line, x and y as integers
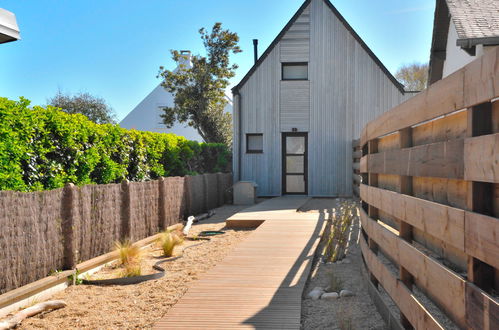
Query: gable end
{"type": "Point", "coordinates": [398, 85]}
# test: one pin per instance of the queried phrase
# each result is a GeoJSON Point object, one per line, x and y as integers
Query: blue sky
{"type": "Point", "coordinates": [113, 48]}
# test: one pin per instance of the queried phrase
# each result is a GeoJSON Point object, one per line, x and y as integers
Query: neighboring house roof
{"type": "Point", "coordinates": [9, 31]}
{"type": "Point", "coordinates": [146, 116]}
{"type": "Point", "coordinates": [397, 84]}
{"type": "Point", "coordinates": [476, 22]}
{"type": "Point", "coordinates": [441, 24]}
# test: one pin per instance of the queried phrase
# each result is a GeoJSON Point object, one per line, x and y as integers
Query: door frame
{"type": "Point", "coordinates": [283, 164]}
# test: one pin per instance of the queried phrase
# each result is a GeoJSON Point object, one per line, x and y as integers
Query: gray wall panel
{"type": "Point", "coordinates": [260, 114]}
{"type": "Point", "coordinates": [347, 90]}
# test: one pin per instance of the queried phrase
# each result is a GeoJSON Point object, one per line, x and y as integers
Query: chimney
{"type": "Point", "coordinates": [185, 60]}
{"type": "Point", "coordinates": [255, 49]}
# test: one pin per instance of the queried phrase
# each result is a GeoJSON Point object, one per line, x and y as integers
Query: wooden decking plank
{"type": "Point", "coordinates": [260, 283]}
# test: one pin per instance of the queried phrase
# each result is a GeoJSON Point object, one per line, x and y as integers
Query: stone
{"type": "Point", "coordinates": [346, 293]}
{"type": "Point", "coordinates": [346, 261]}
{"type": "Point", "coordinates": [316, 293]}
{"type": "Point", "coordinates": [330, 295]}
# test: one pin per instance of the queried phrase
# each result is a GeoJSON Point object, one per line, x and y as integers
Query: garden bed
{"type": "Point", "coordinates": [355, 312]}
{"type": "Point", "coordinates": [141, 305]}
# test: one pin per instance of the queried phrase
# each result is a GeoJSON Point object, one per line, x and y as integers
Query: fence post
{"type": "Point", "coordinates": [220, 189]}
{"type": "Point", "coordinates": [205, 193]}
{"type": "Point", "coordinates": [356, 156]}
{"type": "Point", "coordinates": [188, 195]}
{"type": "Point", "coordinates": [162, 204]}
{"type": "Point", "coordinates": [68, 215]}
{"type": "Point", "coordinates": [480, 194]}
{"type": "Point", "coordinates": [372, 180]}
{"type": "Point", "coordinates": [126, 230]}
{"type": "Point", "coordinates": [405, 230]}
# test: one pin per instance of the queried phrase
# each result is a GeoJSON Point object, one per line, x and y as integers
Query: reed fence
{"type": "Point", "coordinates": [430, 201]}
{"type": "Point", "coordinates": [42, 232]}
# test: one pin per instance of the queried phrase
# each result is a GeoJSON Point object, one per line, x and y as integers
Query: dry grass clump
{"type": "Point", "coordinates": [335, 284]}
{"type": "Point", "coordinates": [340, 229]}
{"type": "Point", "coordinates": [168, 240]}
{"type": "Point", "coordinates": [130, 257]}
{"type": "Point", "coordinates": [344, 318]}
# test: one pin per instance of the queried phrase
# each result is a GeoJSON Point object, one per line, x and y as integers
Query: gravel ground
{"type": "Point", "coordinates": [357, 312]}
{"type": "Point", "coordinates": [139, 306]}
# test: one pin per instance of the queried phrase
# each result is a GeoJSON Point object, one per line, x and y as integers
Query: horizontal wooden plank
{"type": "Point", "coordinates": [481, 158]}
{"type": "Point", "coordinates": [357, 154]}
{"type": "Point", "coordinates": [441, 221]}
{"type": "Point", "coordinates": [440, 160]}
{"type": "Point", "coordinates": [482, 237]}
{"type": "Point", "coordinates": [477, 82]}
{"type": "Point", "coordinates": [481, 79]}
{"type": "Point", "coordinates": [33, 288]}
{"type": "Point", "coordinates": [416, 313]}
{"type": "Point", "coordinates": [443, 286]}
{"type": "Point", "coordinates": [363, 164]}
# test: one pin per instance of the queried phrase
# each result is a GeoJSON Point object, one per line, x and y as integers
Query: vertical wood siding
{"type": "Point", "coordinates": [347, 89]}
{"type": "Point", "coordinates": [260, 114]}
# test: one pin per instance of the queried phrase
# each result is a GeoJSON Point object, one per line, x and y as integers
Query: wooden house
{"type": "Point", "coordinates": [298, 108]}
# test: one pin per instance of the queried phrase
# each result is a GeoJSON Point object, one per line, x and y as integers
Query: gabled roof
{"type": "Point", "coordinates": [397, 84]}
{"type": "Point", "coordinates": [476, 21]}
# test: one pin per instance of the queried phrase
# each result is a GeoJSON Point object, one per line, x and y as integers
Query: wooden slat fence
{"type": "Point", "coordinates": [430, 201]}
{"type": "Point", "coordinates": [356, 155]}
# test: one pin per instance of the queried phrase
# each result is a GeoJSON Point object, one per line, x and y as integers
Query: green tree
{"type": "Point", "coordinates": [95, 108]}
{"type": "Point", "coordinates": [413, 76]}
{"type": "Point", "coordinates": [200, 90]}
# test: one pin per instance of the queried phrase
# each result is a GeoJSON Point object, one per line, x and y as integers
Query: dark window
{"type": "Point", "coordinates": [254, 143]}
{"type": "Point", "coordinates": [294, 71]}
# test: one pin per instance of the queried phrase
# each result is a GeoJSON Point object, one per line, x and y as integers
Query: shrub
{"type": "Point", "coordinates": [168, 240]}
{"type": "Point", "coordinates": [127, 252]}
{"type": "Point", "coordinates": [130, 257]}
{"type": "Point", "coordinates": [44, 148]}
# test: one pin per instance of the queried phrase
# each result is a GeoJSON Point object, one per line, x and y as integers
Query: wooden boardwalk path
{"type": "Point", "coordinates": [259, 285]}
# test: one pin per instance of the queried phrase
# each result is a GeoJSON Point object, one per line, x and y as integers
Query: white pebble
{"type": "Point", "coordinates": [315, 294]}
{"type": "Point", "coordinates": [346, 293]}
{"type": "Point", "coordinates": [330, 295]}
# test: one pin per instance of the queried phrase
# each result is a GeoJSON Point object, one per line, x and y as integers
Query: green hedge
{"type": "Point", "coordinates": [44, 148]}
